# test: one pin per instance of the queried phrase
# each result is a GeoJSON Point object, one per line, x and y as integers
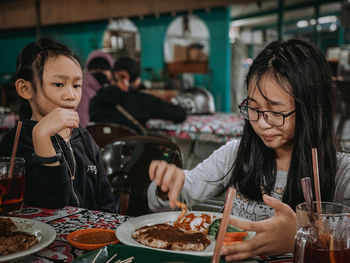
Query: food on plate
{"type": "Point", "coordinates": [188, 232]}
{"type": "Point", "coordinates": [214, 228]}
{"type": "Point", "coordinates": [12, 241]}
{"type": "Point", "coordinates": [183, 212]}
{"type": "Point", "coordinates": [232, 236]}
{"type": "Point", "coordinates": [169, 237]}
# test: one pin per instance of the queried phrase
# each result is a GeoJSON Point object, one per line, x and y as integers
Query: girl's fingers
{"type": "Point", "coordinates": [175, 189]}
{"type": "Point", "coordinates": [160, 172]}
{"type": "Point", "coordinates": [246, 225]}
{"type": "Point", "coordinates": [168, 177]}
{"type": "Point", "coordinates": [152, 170]}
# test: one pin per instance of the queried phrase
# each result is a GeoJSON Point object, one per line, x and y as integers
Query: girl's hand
{"type": "Point", "coordinates": [59, 120]}
{"type": "Point", "coordinates": [169, 178]}
{"type": "Point", "coordinates": [273, 236]}
{"type": "Point", "coordinates": [56, 121]}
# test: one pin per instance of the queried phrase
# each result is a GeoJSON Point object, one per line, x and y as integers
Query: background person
{"type": "Point", "coordinates": [140, 106]}
{"type": "Point", "coordinates": [127, 72]}
{"type": "Point", "coordinates": [97, 74]}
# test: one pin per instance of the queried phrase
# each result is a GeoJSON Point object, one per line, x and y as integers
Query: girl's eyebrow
{"type": "Point", "coordinates": [66, 77]}
{"type": "Point", "coordinates": [272, 102]}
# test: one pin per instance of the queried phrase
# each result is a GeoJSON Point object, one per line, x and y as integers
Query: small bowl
{"type": "Point", "coordinates": [88, 239]}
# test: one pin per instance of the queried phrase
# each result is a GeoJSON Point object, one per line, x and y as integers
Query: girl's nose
{"type": "Point", "coordinates": [262, 123]}
{"type": "Point", "coordinates": [70, 93]}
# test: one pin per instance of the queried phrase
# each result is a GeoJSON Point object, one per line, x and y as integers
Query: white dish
{"type": "Point", "coordinates": [125, 230]}
{"type": "Point", "coordinates": [45, 234]}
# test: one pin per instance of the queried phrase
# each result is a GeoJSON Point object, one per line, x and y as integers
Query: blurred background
{"type": "Point", "coordinates": [180, 44]}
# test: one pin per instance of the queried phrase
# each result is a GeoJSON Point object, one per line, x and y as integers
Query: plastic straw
{"type": "Point", "coordinates": [14, 149]}
{"type": "Point", "coordinates": [223, 225]}
{"type": "Point", "coordinates": [316, 180]}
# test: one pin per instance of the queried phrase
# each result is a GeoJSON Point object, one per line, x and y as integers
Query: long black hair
{"type": "Point", "coordinates": [30, 65]}
{"type": "Point", "coordinates": [302, 71]}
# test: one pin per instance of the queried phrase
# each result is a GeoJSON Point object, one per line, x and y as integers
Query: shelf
{"type": "Point", "coordinates": [187, 67]}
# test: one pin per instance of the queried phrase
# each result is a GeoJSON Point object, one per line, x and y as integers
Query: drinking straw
{"type": "Point", "coordinates": [14, 149]}
{"type": "Point", "coordinates": [316, 180]}
{"type": "Point", "coordinates": [223, 225]}
{"type": "Point", "coordinates": [307, 191]}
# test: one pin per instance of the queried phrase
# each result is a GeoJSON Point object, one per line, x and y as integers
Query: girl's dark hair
{"type": "Point", "coordinates": [301, 70]}
{"type": "Point", "coordinates": [30, 65]}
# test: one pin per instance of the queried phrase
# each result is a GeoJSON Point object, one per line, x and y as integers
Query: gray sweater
{"type": "Point", "coordinates": [196, 187]}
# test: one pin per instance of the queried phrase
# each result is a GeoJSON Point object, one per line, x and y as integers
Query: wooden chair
{"type": "Point", "coordinates": [105, 133]}
{"type": "Point", "coordinates": [127, 162]}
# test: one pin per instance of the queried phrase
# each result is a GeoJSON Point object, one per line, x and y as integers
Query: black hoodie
{"type": "Point", "coordinates": [51, 186]}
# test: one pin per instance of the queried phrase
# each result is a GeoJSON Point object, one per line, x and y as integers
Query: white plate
{"type": "Point", "coordinates": [45, 234]}
{"type": "Point", "coordinates": [125, 230]}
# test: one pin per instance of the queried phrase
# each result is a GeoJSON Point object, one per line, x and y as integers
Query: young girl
{"type": "Point", "coordinates": [288, 111]}
{"type": "Point", "coordinates": [63, 163]}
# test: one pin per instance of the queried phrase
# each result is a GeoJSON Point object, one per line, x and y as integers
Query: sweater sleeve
{"type": "Point", "coordinates": [159, 109]}
{"type": "Point", "coordinates": [47, 186]}
{"type": "Point", "coordinates": [206, 180]}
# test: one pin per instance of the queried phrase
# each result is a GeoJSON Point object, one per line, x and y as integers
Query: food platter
{"type": "Point", "coordinates": [125, 230]}
{"type": "Point", "coordinates": [45, 234]}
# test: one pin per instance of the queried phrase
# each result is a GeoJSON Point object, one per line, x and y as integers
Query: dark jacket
{"type": "Point", "coordinates": [51, 186]}
{"type": "Point", "coordinates": [140, 105]}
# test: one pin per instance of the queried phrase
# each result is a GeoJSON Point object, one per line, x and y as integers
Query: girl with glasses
{"type": "Point", "coordinates": [288, 111]}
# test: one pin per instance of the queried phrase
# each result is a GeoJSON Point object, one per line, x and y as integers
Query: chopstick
{"type": "Point", "coordinates": [97, 255]}
{"type": "Point", "coordinates": [223, 225]}
{"type": "Point", "coordinates": [128, 260]}
{"type": "Point", "coordinates": [109, 260]}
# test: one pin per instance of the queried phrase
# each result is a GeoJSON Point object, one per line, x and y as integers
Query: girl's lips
{"type": "Point", "coordinates": [268, 138]}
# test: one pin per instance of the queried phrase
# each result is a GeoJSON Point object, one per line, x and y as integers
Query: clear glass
{"type": "Point", "coordinates": [11, 189]}
{"type": "Point", "coordinates": [322, 237]}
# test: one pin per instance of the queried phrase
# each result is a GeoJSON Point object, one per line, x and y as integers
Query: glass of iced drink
{"type": "Point", "coordinates": [11, 187]}
{"type": "Point", "coordinates": [323, 233]}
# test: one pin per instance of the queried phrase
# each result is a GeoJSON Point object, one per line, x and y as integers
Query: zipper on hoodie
{"type": "Point", "coordinates": [73, 175]}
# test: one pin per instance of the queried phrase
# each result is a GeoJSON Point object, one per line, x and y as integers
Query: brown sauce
{"type": "Point", "coordinates": [172, 234]}
{"type": "Point", "coordinates": [96, 238]}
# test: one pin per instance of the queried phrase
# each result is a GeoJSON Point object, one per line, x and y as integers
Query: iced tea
{"type": "Point", "coordinates": [321, 255]}
{"type": "Point", "coordinates": [11, 189]}
{"type": "Point", "coordinates": [323, 236]}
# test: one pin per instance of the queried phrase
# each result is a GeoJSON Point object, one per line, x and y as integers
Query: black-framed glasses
{"type": "Point", "coordinates": [271, 117]}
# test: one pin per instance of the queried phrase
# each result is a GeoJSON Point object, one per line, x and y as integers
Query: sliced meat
{"type": "Point", "coordinates": [169, 237]}
{"type": "Point", "coordinates": [15, 242]}
{"type": "Point", "coordinates": [6, 225]}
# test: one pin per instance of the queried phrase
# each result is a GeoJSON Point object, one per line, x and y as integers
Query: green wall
{"type": "Point", "coordinates": [84, 37]}
{"type": "Point", "coordinates": [81, 38]}
{"type": "Point", "coordinates": [153, 32]}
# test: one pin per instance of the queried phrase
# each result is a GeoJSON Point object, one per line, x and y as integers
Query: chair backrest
{"type": "Point", "coordinates": [105, 133]}
{"type": "Point", "coordinates": [127, 162]}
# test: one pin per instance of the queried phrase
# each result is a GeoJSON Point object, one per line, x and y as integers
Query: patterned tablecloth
{"type": "Point", "coordinates": [69, 219]}
{"type": "Point", "coordinates": [64, 221]}
{"type": "Point", "coordinates": [217, 127]}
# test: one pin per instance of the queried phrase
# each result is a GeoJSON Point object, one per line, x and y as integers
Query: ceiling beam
{"type": "Point", "coordinates": [22, 13]}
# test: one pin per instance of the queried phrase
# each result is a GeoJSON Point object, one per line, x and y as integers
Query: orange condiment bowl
{"type": "Point", "coordinates": [92, 238]}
